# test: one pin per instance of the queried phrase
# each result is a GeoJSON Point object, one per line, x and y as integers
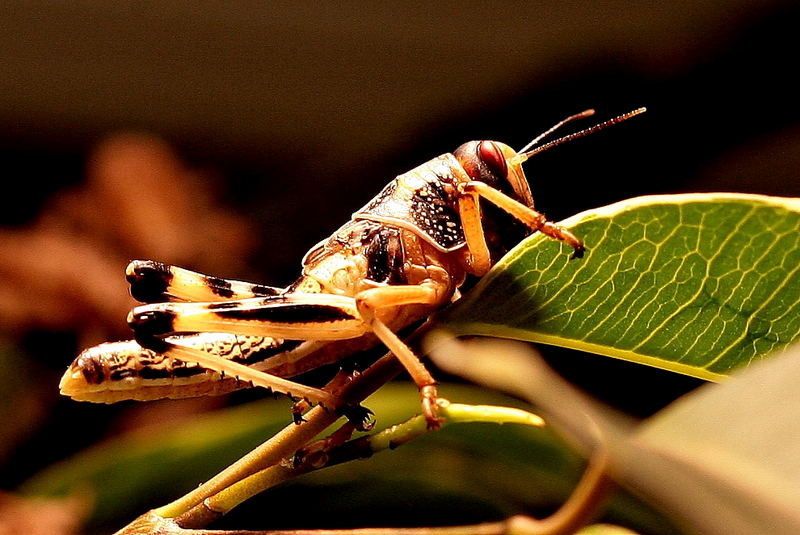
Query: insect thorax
{"type": "Point", "coordinates": [355, 257]}
{"type": "Point", "coordinates": [422, 201]}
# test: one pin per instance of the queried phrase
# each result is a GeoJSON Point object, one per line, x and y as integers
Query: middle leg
{"type": "Point", "coordinates": [370, 302]}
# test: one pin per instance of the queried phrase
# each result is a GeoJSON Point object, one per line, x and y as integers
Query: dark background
{"type": "Point", "coordinates": [301, 112]}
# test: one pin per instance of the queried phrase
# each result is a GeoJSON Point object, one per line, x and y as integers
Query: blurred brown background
{"type": "Point", "coordinates": [231, 137]}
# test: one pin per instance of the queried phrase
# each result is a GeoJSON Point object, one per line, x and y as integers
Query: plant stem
{"type": "Point", "coordinates": [453, 413]}
{"type": "Point", "coordinates": [287, 441]}
{"type": "Point", "coordinates": [578, 510]}
{"type": "Point", "coordinates": [268, 465]}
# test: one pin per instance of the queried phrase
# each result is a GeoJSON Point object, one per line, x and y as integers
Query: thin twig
{"type": "Point", "coordinates": [360, 448]}
{"type": "Point", "coordinates": [284, 444]}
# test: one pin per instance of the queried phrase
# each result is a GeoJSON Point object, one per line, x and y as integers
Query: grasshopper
{"type": "Point", "coordinates": [400, 258]}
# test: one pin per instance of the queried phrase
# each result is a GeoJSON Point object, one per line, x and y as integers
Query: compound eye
{"type": "Point", "coordinates": [491, 155]}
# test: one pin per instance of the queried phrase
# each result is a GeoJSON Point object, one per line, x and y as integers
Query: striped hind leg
{"type": "Point", "coordinates": [154, 282]}
{"type": "Point", "coordinates": [298, 316]}
{"type": "Point", "coordinates": [290, 316]}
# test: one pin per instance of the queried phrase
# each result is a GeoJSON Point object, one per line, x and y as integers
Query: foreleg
{"type": "Point", "coordinates": [533, 219]}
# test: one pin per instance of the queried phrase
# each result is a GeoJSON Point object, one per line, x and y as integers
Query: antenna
{"type": "Point", "coordinates": [530, 149]}
{"type": "Point", "coordinates": [559, 124]}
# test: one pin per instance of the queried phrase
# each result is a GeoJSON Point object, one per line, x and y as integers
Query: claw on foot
{"type": "Point", "coordinates": [578, 251]}
{"type": "Point", "coordinates": [298, 409]}
{"type": "Point", "coordinates": [359, 417]}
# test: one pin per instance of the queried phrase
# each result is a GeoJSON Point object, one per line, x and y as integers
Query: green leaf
{"type": "Point", "coordinates": [698, 284]}
{"type": "Point", "coordinates": [721, 460]}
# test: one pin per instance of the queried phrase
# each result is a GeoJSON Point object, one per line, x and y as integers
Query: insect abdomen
{"type": "Point", "coordinates": [126, 371]}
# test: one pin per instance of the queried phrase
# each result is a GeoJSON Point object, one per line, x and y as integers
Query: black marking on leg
{"type": "Point", "coordinates": [152, 322]}
{"type": "Point", "coordinates": [223, 305]}
{"type": "Point", "coordinates": [289, 314]}
{"type": "Point", "coordinates": [149, 281]}
{"type": "Point", "coordinates": [219, 287]}
{"type": "Point", "coordinates": [153, 343]}
{"type": "Point", "coordinates": [264, 291]}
